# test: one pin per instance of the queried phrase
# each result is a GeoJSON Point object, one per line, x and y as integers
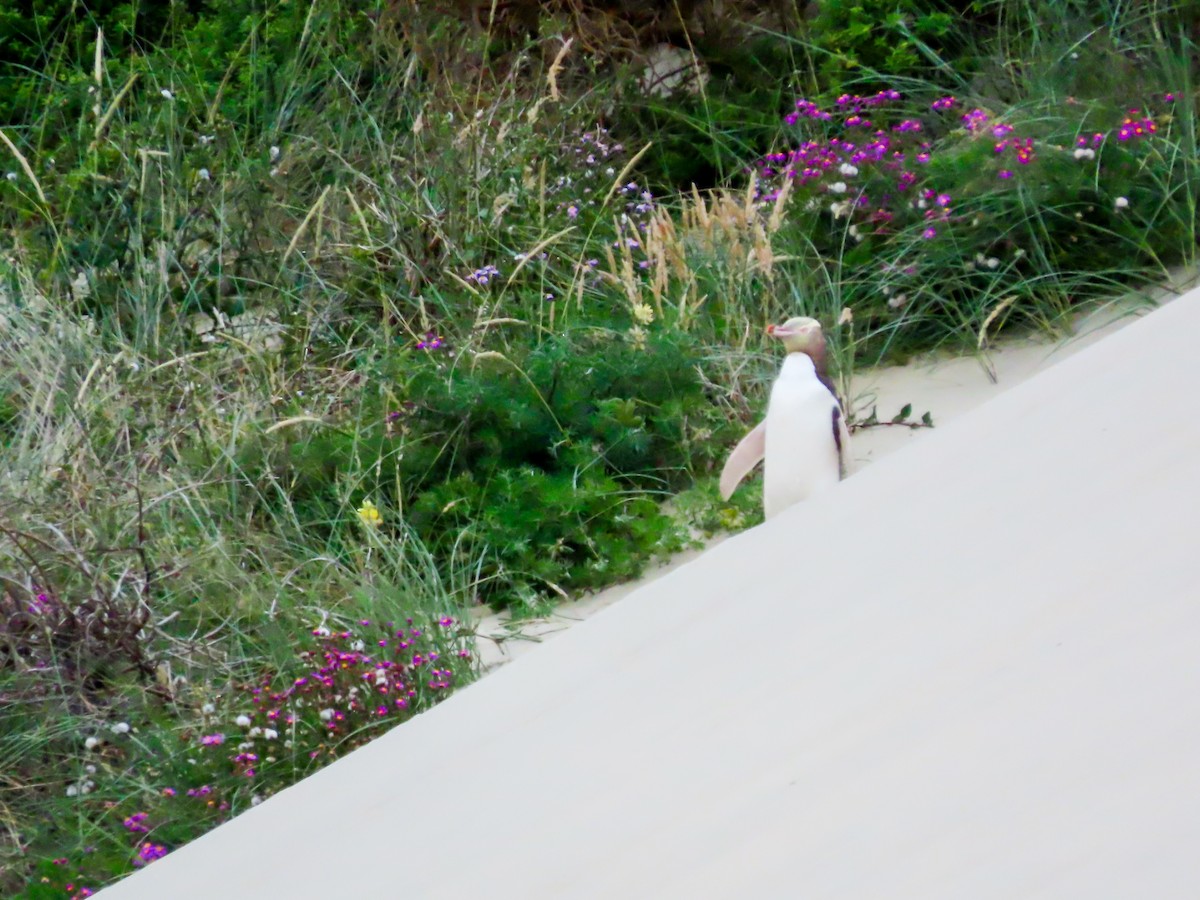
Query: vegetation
{"type": "Point", "coordinates": [324, 323]}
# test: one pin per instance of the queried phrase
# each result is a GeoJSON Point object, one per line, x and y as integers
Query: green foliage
{"type": "Point", "coordinates": [353, 255]}
{"type": "Point", "coordinates": [546, 466]}
{"type": "Point", "coordinates": [870, 42]}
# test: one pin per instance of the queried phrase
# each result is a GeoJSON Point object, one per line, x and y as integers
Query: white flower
{"type": "Point", "coordinates": [90, 769]}
{"type": "Point", "coordinates": [846, 317]}
{"type": "Point", "coordinates": [839, 209]}
{"type": "Point", "coordinates": [848, 170]}
{"type": "Point", "coordinates": [120, 728]}
{"type": "Point", "coordinates": [255, 800]}
{"type": "Point", "coordinates": [992, 262]}
{"type": "Point", "coordinates": [1085, 153]}
{"type": "Point", "coordinates": [270, 734]}
{"type": "Point", "coordinates": [245, 745]}
{"type": "Point", "coordinates": [1019, 252]}
{"type": "Point", "coordinates": [208, 709]}
{"type": "Point", "coordinates": [898, 301]}
{"type": "Point", "coordinates": [167, 95]}
{"type": "Point", "coordinates": [242, 721]}
{"type": "Point", "coordinates": [326, 715]}
{"type": "Point", "coordinates": [206, 139]}
{"type": "Point", "coordinates": [1121, 202]}
{"type": "Point", "coordinates": [72, 790]}
{"type": "Point", "coordinates": [91, 743]}
{"type": "Point", "coordinates": [86, 787]}
{"type": "Point", "coordinates": [11, 176]}
{"type": "Point", "coordinates": [357, 646]}
{"type": "Point", "coordinates": [255, 732]}
{"type": "Point", "coordinates": [320, 631]}
{"type": "Point", "coordinates": [275, 153]}
{"type": "Point", "coordinates": [838, 187]}
{"type": "Point", "coordinates": [381, 676]}
{"type": "Point", "coordinates": [643, 313]}
{"type": "Point", "coordinates": [204, 175]}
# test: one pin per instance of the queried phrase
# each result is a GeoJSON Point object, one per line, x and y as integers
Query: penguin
{"type": "Point", "coordinates": [803, 440]}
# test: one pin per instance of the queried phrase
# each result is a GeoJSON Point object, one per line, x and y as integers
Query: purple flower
{"type": "Point", "coordinates": [929, 233]}
{"type": "Point", "coordinates": [1004, 173]}
{"type": "Point", "coordinates": [212, 740]}
{"type": "Point", "coordinates": [484, 275]}
{"type": "Point", "coordinates": [149, 852]}
{"type": "Point", "coordinates": [975, 119]}
{"type": "Point", "coordinates": [943, 103]}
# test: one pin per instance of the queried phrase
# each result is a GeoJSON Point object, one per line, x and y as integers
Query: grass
{"type": "Point", "coordinates": [325, 329]}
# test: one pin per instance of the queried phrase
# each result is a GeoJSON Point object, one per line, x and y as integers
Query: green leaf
{"type": "Point", "coordinates": [904, 413]}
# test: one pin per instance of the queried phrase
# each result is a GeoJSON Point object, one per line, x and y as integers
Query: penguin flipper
{"type": "Point", "coordinates": [745, 456]}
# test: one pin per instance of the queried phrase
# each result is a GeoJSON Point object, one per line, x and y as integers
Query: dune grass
{"type": "Point", "coordinates": [321, 330]}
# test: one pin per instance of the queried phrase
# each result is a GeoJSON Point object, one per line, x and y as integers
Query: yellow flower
{"type": "Point", "coordinates": [643, 314]}
{"type": "Point", "coordinates": [369, 514]}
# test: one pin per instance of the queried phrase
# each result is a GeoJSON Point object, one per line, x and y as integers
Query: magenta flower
{"type": "Point", "coordinates": [929, 233]}
{"type": "Point", "coordinates": [149, 852]}
{"type": "Point", "coordinates": [943, 103]}
{"type": "Point", "coordinates": [975, 119]}
{"type": "Point", "coordinates": [212, 740]}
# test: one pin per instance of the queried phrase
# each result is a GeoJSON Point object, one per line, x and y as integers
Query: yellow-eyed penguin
{"type": "Point", "coordinates": [803, 440]}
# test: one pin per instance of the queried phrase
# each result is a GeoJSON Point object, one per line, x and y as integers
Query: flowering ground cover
{"type": "Point", "coordinates": [318, 329]}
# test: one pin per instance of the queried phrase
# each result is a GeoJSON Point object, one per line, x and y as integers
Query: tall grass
{"type": "Point", "coordinates": [261, 282]}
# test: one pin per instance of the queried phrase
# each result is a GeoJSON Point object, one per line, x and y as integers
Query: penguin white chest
{"type": "Point", "coordinates": [801, 453]}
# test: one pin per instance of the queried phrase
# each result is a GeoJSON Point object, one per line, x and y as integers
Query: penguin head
{"type": "Point", "coordinates": [801, 335]}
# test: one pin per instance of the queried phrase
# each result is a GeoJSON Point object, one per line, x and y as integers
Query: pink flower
{"type": "Point", "coordinates": [212, 740]}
